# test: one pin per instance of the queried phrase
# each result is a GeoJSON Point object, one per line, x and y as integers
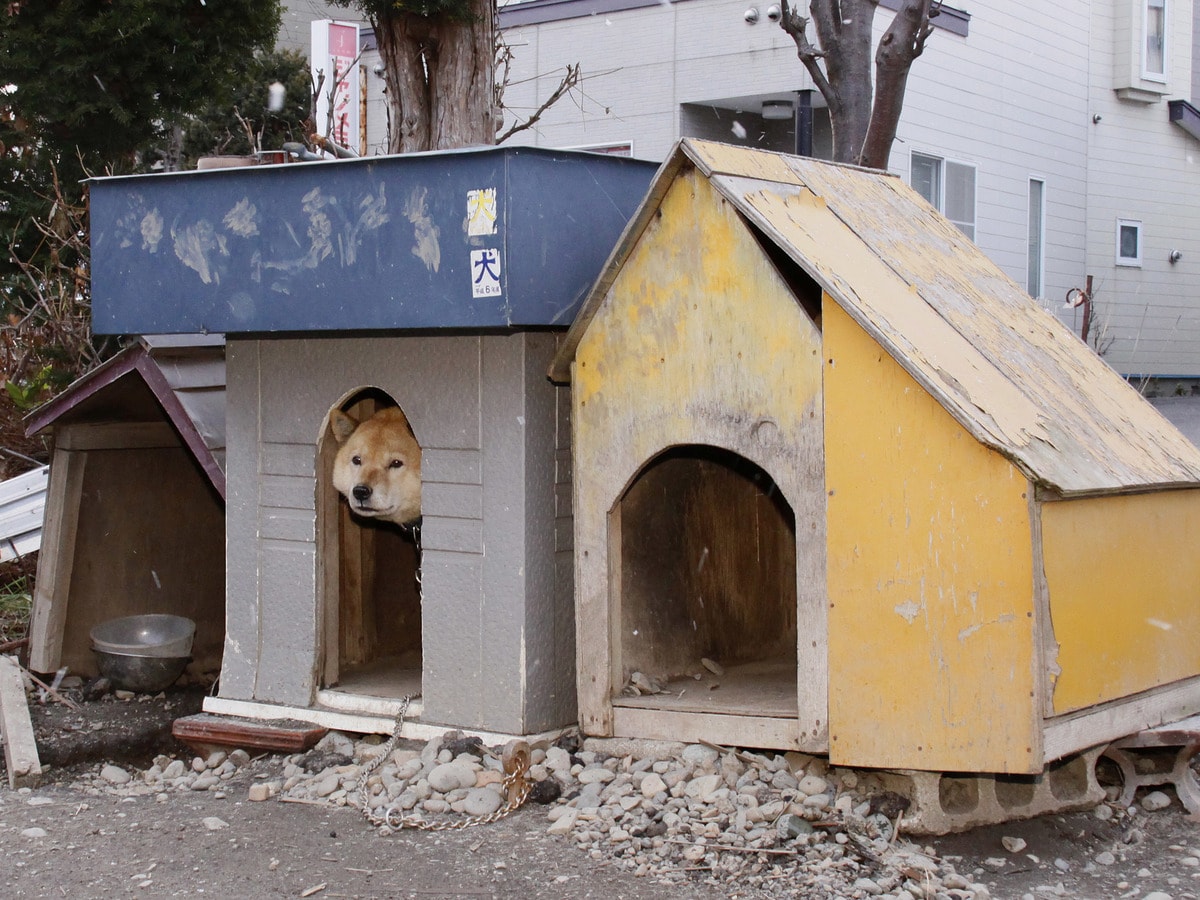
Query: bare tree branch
{"type": "Point", "coordinates": [569, 81]}
{"type": "Point", "coordinates": [796, 26]}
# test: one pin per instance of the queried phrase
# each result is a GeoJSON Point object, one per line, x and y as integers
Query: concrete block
{"type": "Point", "coordinates": [942, 802]}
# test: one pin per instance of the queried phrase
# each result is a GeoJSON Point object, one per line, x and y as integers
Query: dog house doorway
{"type": "Point", "coordinates": [705, 576]}
{"type": "Point", "coordinates": [369, 578]}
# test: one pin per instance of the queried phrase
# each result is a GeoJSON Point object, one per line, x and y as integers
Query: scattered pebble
{"type": "Point", "coordinates": [1155, 800]}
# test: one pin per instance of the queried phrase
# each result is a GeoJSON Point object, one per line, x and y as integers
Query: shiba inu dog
{"type": "Point", "coordinates": [378, 465]}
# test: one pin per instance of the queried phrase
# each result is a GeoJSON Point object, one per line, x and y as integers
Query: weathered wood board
{"type": "Point", "coordinates": [16, 728]}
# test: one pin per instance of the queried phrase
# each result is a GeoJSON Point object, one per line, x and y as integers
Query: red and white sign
{"type": "Point", "coordinates": [335, 54]}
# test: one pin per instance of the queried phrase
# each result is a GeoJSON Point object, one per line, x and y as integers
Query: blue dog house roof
{"type": "Point", "coordinates": [483, 238]}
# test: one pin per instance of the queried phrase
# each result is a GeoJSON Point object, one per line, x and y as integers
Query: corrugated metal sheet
{"type": "Point", "coordinates": [1014, 376]}
{"type": "Point", "coordinates": [22, 509]}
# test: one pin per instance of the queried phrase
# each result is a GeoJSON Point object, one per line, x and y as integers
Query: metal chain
{"type": "Point", "coordinates": [516, 784]}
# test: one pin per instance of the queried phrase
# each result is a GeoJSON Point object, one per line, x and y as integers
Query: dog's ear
{"type": "Point", "coordinates": [342, 425]}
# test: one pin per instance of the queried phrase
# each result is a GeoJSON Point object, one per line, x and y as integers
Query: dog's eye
{"type": "Point", "coordinates": [396, 464]}
{"type": "Point", "coordinates": [356, 460]}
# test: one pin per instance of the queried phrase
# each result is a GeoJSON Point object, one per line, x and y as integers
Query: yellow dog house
{"type": "Point", "coordinates": [841, 486]}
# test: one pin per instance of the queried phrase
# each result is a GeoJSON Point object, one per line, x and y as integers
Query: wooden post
{"type": "Point", "coordinates": [52, 588]}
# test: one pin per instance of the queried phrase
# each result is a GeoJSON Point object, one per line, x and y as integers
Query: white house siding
{"type": "Point", "coordinates": [1015, 98]}
{"type": "Point", "coordinates": [1143, 167]}
{"type": "Point", "coordinates": [1010, 99]}
{"type": "Point", "coordinates": [640, 65]}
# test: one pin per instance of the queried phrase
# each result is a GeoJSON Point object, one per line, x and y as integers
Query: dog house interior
{"type": "Point", "coordinates": [841, 486]}
{"type": "Point", "coordinates": [705, 544]}
{"type": "Point", "coordinates": [369, 578]}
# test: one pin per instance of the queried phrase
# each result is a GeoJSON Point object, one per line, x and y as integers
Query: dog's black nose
{"type": "Point", "coordinates": [361, 492]}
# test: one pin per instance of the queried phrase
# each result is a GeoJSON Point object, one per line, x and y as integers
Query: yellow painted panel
{"type": "Point", "coordinates": [698, 321]}
{"type": "Point", "coordinates": [1124, 583]}
{"type": "Point", "coordinates": [930, 577]}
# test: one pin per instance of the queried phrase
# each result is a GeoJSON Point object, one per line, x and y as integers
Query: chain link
{"type": "Point", "coordinates": [516, 783]}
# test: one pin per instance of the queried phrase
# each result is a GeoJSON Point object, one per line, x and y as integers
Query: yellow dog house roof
{"type": "Point", "coordinates": [1009, 372]}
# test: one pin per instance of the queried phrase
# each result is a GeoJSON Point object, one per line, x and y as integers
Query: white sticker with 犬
{"type": "Point", "coordinates": [485, 273]}
{"type": "Point", "coordinates": [481, 211]}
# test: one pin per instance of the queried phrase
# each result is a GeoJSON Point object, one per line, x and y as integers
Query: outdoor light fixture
{"type": "Point", "coordinates": [777, 109]}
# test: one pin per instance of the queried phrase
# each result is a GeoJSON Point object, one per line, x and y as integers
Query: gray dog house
{"type": "Point", "coordinates": [437, 282]}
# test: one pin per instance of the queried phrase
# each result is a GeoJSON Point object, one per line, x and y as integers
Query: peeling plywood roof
{"type": "Point", "coordinates": [1014, 376]}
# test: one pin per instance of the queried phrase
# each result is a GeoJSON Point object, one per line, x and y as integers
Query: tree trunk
{"type": "Point", "coordinates": [844, 30]}
{"type": "Point", "coordinates": [439, 78]}
{"type": "Point", "coordinates": [840, 67]}
{"type": "Point", "coordinates": [863, 116]}
{"type": "Point", "coordinates": [900, 45]}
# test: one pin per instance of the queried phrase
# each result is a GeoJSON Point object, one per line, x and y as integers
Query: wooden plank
{"type": "Point", "coordinates": [732, 731]}
{"type": "Point", "coordinates": [16, 728]}
{"type": "Point", "coordinates": [56, 560]}
{"type": "Point", "coordinates": [1107, 722]}
{"type": "Point", "coordinates": [279, 736]}
{"type": "Point", "coordinates": [116, 436]}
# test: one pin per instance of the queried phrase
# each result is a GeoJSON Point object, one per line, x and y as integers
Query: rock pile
{"type": "Point", "coordinates": [755, 824]}
{"type": "Point", "coordinates": [780, 825]}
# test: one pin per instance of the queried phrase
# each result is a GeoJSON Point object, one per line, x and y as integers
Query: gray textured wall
{"type": "Point", "coordinates": [497, 610]}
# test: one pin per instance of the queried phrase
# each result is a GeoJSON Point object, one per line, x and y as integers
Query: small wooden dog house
{"type": "Point", "coordinates": [841, 486]}
{"type": "Point", "coordinates": [441, 283]}
{"type": "Point", "coordinates": [135, 510]}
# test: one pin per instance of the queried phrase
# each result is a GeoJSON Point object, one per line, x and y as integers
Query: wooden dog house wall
{"type": "Point", "coordinates": [135, 515]}
{"type": "Point", "coordinates": [990, 566]}
{"type": "Point", "coordinates": [442, 283]}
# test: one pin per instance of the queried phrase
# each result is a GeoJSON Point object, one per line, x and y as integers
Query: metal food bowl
{"type": "Point", "coordinates": [143, 674]}
{"type": "Point", "coordinates": [153, 634]}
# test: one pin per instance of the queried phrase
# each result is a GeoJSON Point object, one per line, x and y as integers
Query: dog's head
{"type": "Point", "coordinates": [378, 465]}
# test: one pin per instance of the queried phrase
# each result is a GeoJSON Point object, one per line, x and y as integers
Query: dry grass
{"type": "Point", "coordinates": [16, 597]}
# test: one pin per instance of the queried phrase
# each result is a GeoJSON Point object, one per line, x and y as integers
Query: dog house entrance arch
{"type": "Point", "coordinates": [368, 581]}
{"type": "Point", "coordinates": [704, 587]}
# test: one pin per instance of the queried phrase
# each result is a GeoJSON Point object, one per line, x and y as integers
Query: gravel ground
{"type": "Point", "coordinates": [84, 833]}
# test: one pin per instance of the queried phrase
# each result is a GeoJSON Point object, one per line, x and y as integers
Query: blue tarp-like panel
{"type": "Point", "coordinates": [491, 238]}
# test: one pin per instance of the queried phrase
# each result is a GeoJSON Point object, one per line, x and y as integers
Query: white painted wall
{"type": "Point", "coordinates": [1141, 166]}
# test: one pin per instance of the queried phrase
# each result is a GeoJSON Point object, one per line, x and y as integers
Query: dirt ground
{"type": "Point", "coordinates": [223, 845]}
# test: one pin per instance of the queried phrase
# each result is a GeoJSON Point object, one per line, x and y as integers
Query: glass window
{"type": "Point", "coordinates": [927, 178]}
{"type": "Point", "coordinates": [1037, 237]}
{"type": "Point", "coordinates": [1129, 242]}
{"type": "Point", "coordinates": [1154, 57]}
{"type": "Point", "coordinates": [949, 186]}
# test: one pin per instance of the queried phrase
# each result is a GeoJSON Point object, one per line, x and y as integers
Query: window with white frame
{"type": "Point", "coordinates": [1035, 267]}
{"type": "Point", "coordinates": [1154, 47]}
{"type": "Point", "coordinates": [949, 186]}
{"type": "Point", "coordinates": [1129, 242]}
